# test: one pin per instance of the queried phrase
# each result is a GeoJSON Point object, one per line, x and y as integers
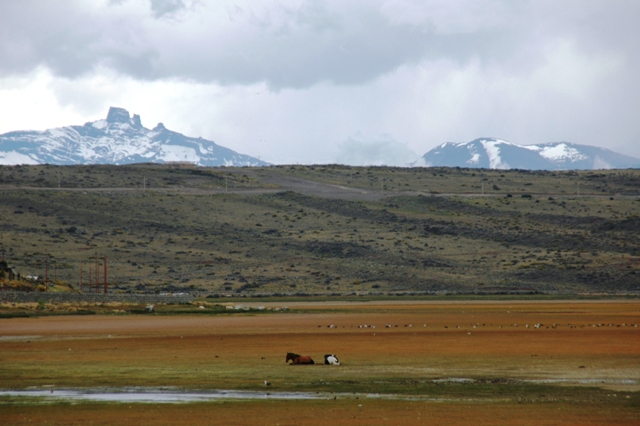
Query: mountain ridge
{"type": "Point", "coordinates": [118, 139]}
{"type": "Point", "coordinates": [122, 139]}
{"type": "Point", "coordinates": [493, 153]}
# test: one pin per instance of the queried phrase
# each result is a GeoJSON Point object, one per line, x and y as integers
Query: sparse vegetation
{"type": "Point", "coordinates": [257, 231]}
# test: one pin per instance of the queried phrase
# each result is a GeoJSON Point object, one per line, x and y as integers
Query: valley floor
{"type": "Point", "coordinates": [507, 362]}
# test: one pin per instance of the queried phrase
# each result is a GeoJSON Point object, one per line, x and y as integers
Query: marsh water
{"type": "Point", "coordinates": [155, 395]}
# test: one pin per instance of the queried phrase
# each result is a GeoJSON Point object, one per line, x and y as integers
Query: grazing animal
{"type": "Point", "coordinates": [331, 359]}
{"type": "Point", "coordinates": [298, 359]}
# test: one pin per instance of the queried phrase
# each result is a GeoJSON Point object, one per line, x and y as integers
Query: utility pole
{"type": "Point", "coordinates": [226, 184]}
{"type": "Point", "coordinates": [144, 183]}
{"type": "Point", "coordinates": [46, 273]}
{"type": "Point", "coordinates": [105, 275]}
{"type": "Point", "coordinates": [3, 278]}
{"type": "Point", "coordinates": [97, 275]}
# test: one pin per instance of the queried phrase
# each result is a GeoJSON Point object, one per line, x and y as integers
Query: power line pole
{"type": "Point", "coordinates": [105, 275]}
{"type": "Point", "coordinates": [97, 274]}
{"type": "Point", "coordinates": [46, 273]}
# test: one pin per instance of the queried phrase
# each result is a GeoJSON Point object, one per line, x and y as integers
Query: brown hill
{"type": "Point", "coordinates": [325, 229]}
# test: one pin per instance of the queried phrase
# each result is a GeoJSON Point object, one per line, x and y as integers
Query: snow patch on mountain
{"type": "Point", "coordinates": [100, 124]}
{"type": "Point", "coordinates": [492, 148]}
{"type": "Point", "coordinates": [12, 157]}
{"type": "Point", "coordinates": [475, 159]}
{"type": "Point", "coordinates": [562, 152]}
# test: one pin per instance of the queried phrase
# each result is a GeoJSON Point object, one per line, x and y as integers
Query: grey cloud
{"type": "Point", "coordinates": [285, 47]}
{"type": "Point", "coordinates": [161, 8]}
{"type": "Point", "coordinates": [63, 38]}
{"type": "Point", "coordinates": [289, 46]}
{"type": "Point", "coordinates": [321, 46]}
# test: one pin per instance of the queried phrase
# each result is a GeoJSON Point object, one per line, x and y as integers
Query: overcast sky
{"type": "Point", "coordinates": [317, 81]}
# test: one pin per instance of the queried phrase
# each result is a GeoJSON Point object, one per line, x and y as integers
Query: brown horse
{"type": "Point", "coordinates": [298, 359]}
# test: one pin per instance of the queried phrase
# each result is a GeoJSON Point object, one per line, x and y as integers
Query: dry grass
{"type": "Point", "coordinates": [186, 233]}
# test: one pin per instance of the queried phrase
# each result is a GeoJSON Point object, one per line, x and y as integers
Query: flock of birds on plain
{"type": "Point", "coordinates": [331, 359]}
{"type": "Point", "coordinates": [476, 325]}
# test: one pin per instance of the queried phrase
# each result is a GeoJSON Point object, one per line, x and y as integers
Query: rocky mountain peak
{"type": "Point", "coordinates": [120, 139]}
{"type": "Point", "coordinates": [119, 115]}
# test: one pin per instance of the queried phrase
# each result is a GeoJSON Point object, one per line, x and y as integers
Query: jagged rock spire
{"type": "Point", "coordinates": [118, 115]}
{"type": "Point", "coordinates": [121, 115]}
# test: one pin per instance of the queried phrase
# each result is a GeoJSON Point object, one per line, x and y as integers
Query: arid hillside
{"type": "Point", "coordinates": [323, 229]}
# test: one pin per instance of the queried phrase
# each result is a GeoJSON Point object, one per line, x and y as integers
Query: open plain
{"type": "Point", "coordinates": [404, 362]}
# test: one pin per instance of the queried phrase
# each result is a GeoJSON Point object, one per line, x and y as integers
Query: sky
{"type": "Point", "coordinates": [330, 81]}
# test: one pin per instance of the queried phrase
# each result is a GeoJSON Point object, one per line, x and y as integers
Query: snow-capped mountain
{"type": "Point", "coordinates": [120, 139]}
{"type": "Point", "coordinates": [490, 153]}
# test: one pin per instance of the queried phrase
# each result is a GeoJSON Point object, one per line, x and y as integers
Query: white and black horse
{"type": "Point", "coordinates": [331, 359]}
